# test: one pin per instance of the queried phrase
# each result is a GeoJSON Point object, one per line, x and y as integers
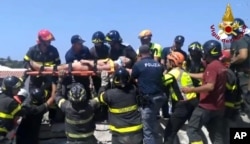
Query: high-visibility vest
{"type": "Point", "coordinates": [180, 78]}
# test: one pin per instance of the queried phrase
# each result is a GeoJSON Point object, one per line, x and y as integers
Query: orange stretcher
{"type": "Point", "coordinates": [76, 73]}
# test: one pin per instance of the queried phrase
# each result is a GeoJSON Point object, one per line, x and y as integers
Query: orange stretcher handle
{"type": "Point", "coordinates": [76, 73]}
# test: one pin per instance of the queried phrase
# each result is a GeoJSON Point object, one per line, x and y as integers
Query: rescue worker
{"type": "Point", "coordinates": [233, 99]}
{"type": "Point", "coordinates": [211, 107]}
{"type": "Point", "coordinates": [79, 111]}
{"type": "Point", "coordinates": [182, 104]}
{"type": "Point", "coordinates": [240, 62]}
{"type": "Point", "coordinates": [177, 46]}
{"type": "Point", "coordinates": [10, 109]}
{"type": "Point", "coordinates": [47, 55]}
{"type": "Point", "coordinates": [99, 51]}
{"type": "Point", "coordinates": [43, 52]}
{"type": "Point", "coordinates": [77, 52]}
{"type": "Point", "coordinates": [118, 48]}
{"type": "Point", "coordinates": [148, 73]}
{"type": "Point", "coordinates": [29, 128]}
{"type": "Point", "coordinates": [196, 64]}
{"type": "Point", "coordinates": [145, 37]}
{"type": "Point", "coordinates": [21, 96]}
{"type": "Point", "coordinates": [124, 117]}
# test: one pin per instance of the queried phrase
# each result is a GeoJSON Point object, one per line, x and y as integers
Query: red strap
{"type": "Point", "coordinates": [17, 99]}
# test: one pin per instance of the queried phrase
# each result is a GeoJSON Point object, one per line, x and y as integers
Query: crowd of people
{"type": "Point", "coordinates": [128, 89]}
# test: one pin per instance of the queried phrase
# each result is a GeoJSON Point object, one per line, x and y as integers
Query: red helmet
{"type": "Point", "coordinates": [226, 57]}
{"type": "Point", "coordinates": [45, 35]}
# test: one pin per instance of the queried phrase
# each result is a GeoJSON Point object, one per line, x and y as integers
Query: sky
{"type": "Point", "coordinates": [22, 19]}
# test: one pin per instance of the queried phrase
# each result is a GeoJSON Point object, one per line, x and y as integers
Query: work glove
{"type": "Point", "coordinates": [105, 78]}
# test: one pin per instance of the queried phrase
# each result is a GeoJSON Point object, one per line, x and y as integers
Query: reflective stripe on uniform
{"type": "Point", "coordinates": [74, 122]}
{"type": "Point", "coordinates": [61, 101]}
{"type": "Point", "coordinates": [50, 63]}
{"type": "Point", "coordinates": [126, 129]}
{"type": "Point", "coordinates": [197, 142]}
{"type": "Point", "coordinates": [124, 109]}
{"type": "Point", "coordinates": [79, 135]}
{"type": "Point", "coordinates": [12, 114]}
{"type": "Point", "coordinates": [4, 130]}
{"type": "Point", "coordinates": [183, 80]}
{"type": "Point", "coordinates": [101, 98]}
{"type": "Point", "coordinates": [230, 87]}
{"type": "Point", "coordinates": [235, 105]}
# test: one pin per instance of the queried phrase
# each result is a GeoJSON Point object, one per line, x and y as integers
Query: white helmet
{"type": "Point", "coordinates": [23, 92]}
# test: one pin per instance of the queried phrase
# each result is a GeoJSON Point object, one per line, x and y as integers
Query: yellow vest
{"type": "Point", "coordinates": [183, 80]}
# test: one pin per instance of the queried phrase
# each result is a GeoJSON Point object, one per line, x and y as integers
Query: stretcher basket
{"type": "Point", "coordinates": [55, 73]}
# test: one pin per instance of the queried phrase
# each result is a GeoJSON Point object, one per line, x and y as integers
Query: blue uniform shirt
{"type": "Point", "coordinates": [82, 54]}
{"type": "Point", "coordinates": [149, 74]}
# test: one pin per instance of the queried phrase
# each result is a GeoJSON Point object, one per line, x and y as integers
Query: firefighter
{"type": "Point", "coordinates": [21, 96]}
{"type": "Point", "coordinates": [233, 96]}
{"type": "Point", "coordinates": [145, 37]}
{"type": "Point", "coordinates": [44, 53]}
{"type": "Point", "coordinates": [118, 48]}
{"type": "Point", "coordinates": [210, 110]}
{"type": "Point", "coordinates": [47, 55]}
{"type": "Point", "coordinates": [195, 63]}
{"type": "Point", "coordinates": [28, 130]}
{"type": "Point", "coordinates": [124, 117]}
{"type": "Point", "coordinates": [99, 51]}
{"type": "Point", "coordinates": [9, 107]}
{"type": "Point", "coordinates": [77, 52]}
{"type": "Point", "coordinates": [79, 113]}
{"type": "Point", "coordinates": [148, 73]}
{"type": "Point", "coordinates": [183, 104]}
{"type": "Point", "coordinates": [240, 60]}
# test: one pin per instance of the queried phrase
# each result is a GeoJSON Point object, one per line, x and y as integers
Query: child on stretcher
{"type": "Point", "coordinates": [86, 65]}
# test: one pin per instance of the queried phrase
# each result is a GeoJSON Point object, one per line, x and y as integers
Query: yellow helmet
{"type": "Point", "coordinates": [145, 34]}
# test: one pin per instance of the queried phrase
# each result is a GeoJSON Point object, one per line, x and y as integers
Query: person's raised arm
{"type": "Point", "coordinates": [196, 75]}
{"type": "Point", "coordinates": [59, 99]}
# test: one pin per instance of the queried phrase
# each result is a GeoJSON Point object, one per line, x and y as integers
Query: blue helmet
{"type": "Point", "coordinates": [113, 36]}
{"type": "Point", "coordinates": [98, 37]}
{"type": "Point", "coordinates": [212, 48]}
{"type": "Point", "coordinates": [121, 78]}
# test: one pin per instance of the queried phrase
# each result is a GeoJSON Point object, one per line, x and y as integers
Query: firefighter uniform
{"type": "Point", "coordinates": [29, 128]}
{"type": "Point", "coordinates": [183, 104]}
{"type": "Point", "coordinates": [50, 58]}
{"type": "Point", "coordinates": [124, 117]}
{"type": "Point", "coordinates": [233, 102]}
{"type": "Point", "coordinates": [9, 109]}
{"type": "Point", "coordinates": [79, 123]}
